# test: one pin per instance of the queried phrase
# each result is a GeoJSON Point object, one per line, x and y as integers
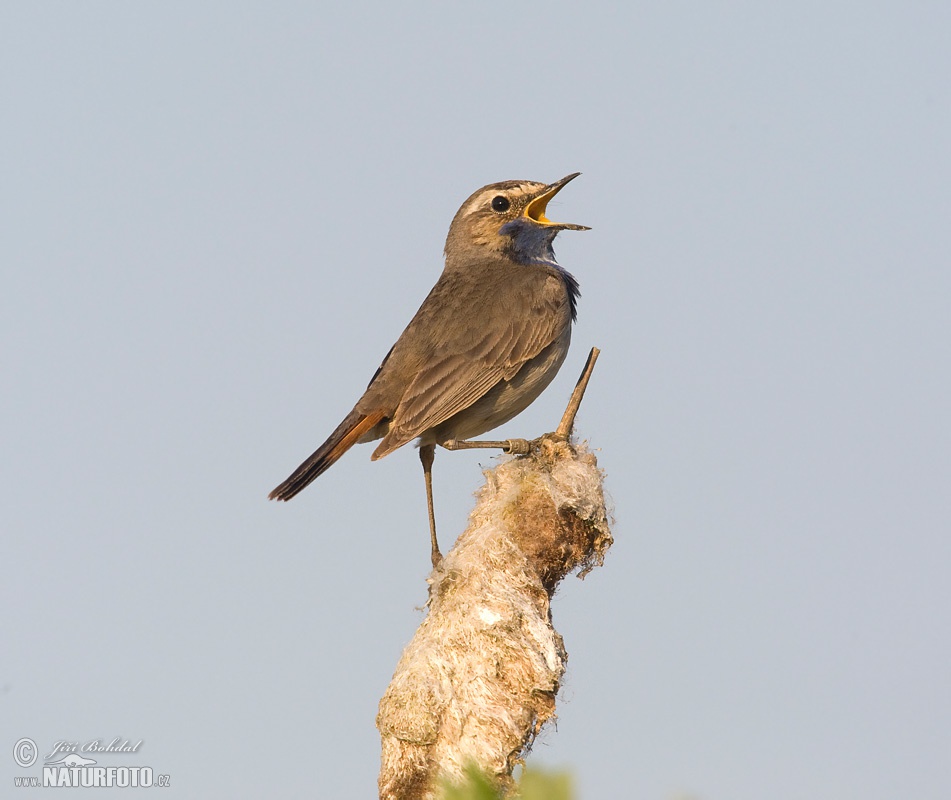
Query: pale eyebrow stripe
{"type": "Point", "coordinates": [481, 198]}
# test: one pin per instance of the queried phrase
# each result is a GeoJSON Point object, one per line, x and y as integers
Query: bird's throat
{"type": "Point", "coordinates": [530, 243]}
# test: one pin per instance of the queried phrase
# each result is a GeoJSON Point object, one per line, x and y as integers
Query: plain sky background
{"type": "Point", "coordinates": [217, 217]}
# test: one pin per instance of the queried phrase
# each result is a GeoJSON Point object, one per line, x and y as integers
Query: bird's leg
{"type": "Point", "coordinates": [427, 452]}
{"type": "Point", "coordinates": [518, 447]}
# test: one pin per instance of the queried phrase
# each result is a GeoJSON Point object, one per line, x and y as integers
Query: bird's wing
{"type": "Point", "coordinates": [465, 366]}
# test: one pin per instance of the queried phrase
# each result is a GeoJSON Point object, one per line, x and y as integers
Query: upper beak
{"type": "Point", "coordinates": [535, 210]}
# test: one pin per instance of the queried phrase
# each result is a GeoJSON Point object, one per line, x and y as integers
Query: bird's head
{"type": "Point", "coordinates": [507, 219]}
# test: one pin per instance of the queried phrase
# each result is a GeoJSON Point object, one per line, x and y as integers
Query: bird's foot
{"type": "Point", "coordinates": [517, 447]}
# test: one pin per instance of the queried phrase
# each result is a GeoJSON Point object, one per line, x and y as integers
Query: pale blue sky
{"type": "Point", "coordinates": [217, 217]}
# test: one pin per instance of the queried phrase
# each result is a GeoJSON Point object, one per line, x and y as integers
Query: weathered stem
{"type": "Point", "coordinates": [567, 423]}
{"type": "Point", "coordinates": [479, 679]}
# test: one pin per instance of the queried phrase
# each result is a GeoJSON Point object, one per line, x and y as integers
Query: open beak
{"type": "Point", "coordinates": [535, 210]}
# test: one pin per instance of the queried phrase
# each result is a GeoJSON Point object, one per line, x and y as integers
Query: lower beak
{"type": "Point", "coordinates": [535, 210]}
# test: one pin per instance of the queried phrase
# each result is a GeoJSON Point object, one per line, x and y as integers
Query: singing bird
{"type": "Point", "coordinates": [487, 340]}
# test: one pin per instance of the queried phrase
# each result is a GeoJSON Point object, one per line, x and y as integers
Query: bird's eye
{"type": "Point", "coordinates": [500, 203]}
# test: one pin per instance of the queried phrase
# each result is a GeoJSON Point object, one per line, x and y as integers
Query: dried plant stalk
{"type": "Point", "coordinates": [480, 677]}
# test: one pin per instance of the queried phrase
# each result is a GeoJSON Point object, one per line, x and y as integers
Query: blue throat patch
{"type": "Point", "coordinates": [531, 244]}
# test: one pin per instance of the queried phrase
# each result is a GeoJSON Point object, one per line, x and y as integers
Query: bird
{"type": "Point", "coordinates": [485, 343]}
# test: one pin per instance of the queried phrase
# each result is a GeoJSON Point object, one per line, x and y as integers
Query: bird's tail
{"type": "Point", "coordinates": [346, 436]}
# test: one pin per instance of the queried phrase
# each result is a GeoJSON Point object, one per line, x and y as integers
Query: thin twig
{"type": "Point", "coordinates": [568, 420]}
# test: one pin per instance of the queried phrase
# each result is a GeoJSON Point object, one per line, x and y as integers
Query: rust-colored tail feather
{"type": "Point", "coordinates": [341, 440]}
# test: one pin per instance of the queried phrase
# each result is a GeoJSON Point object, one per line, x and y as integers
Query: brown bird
{"type": "Point", "coordinates": [488, 339]}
